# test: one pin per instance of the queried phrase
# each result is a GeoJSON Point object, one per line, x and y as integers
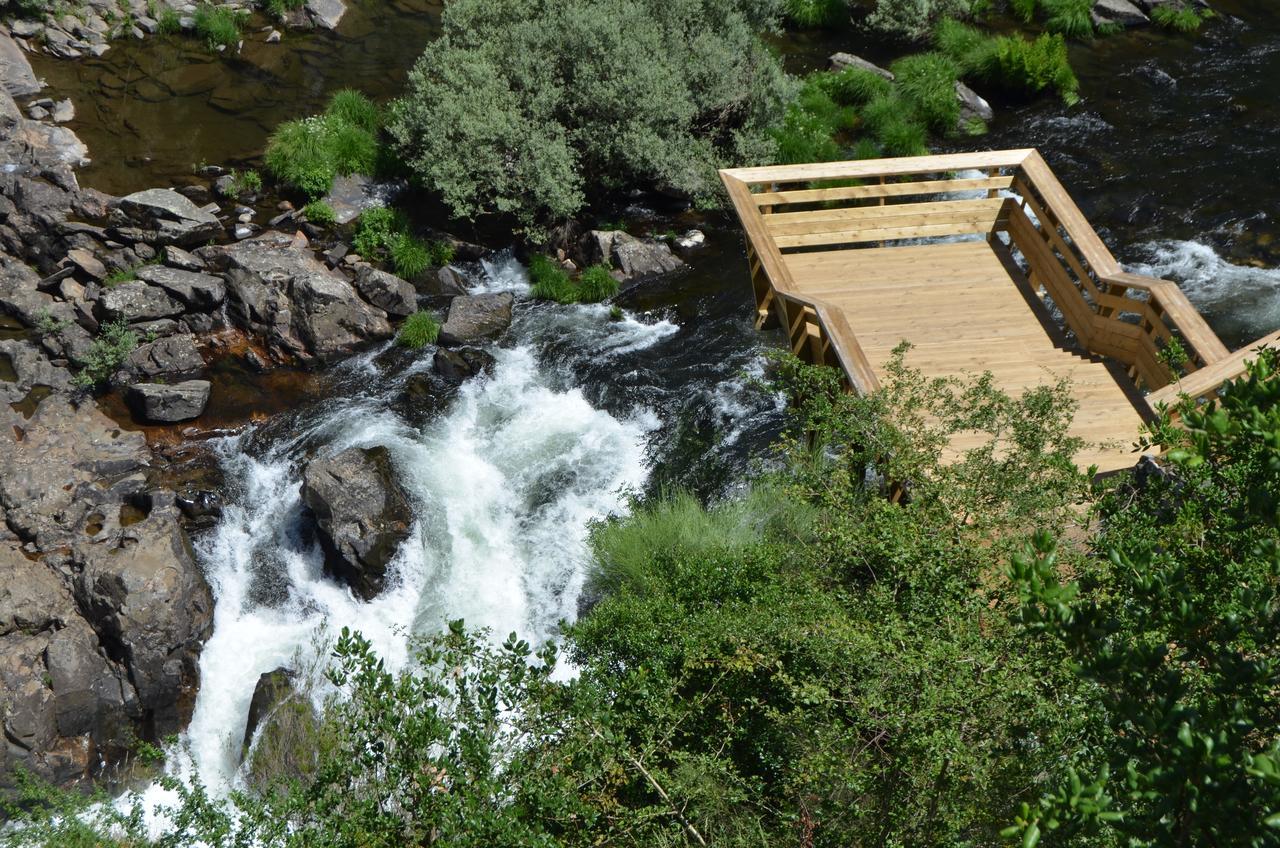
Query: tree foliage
{"type": "Point", "coordinates": [528, 109]}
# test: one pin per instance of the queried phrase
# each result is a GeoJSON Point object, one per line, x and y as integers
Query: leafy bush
{"type": "Point", "coordinates": [375, 230]}
{"type": "Point", "coordinates": [113, 345]}
{"type": "Point", "coordinates": [914, 19]}
{"type": "Point", "coordinates": [418, 330]}
{"type": "Point", "coordinates": [409, 256]}
{"type": "Point", "coordinates": [1012, 62]}
{"type": "Point", "coordinates": [527, 110]}
{"type": "Point", "coordinates": [169, 21]}
{"type": "Point", "coordinates": [928, 81]}
{"type": "Point", "coordinates": [319, 213]}
{"type": "Point", "coordinates": [219, 26]}
{"type": "Point", "coordinates": [246, 182]}
{"type": "Point", "coordinates": [308, 154]}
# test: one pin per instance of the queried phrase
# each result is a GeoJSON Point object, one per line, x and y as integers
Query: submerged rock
{"type": "Point", "coordinates": [460, 365]}
{"type": "Point", "coordinates": [473, 318]}
{"type": "Point", "coordinates": [168, 404]}
{"type": "Point", "coordinates": [361, 512]}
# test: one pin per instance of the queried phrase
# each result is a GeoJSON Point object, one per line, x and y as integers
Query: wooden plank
{"type": "Point", "coordinates": [869, 168]}
{"type": "Point", "coordinates": [766, 250]}
{"type": "Point", "coordinates": [878, 190]}
{"type": "Point", "coordinates": [857, 235]}
{"type": "Point", "coordinates": [786, 222]}
{"type": "Point", "coordinates": [1050, 273]}
{"type": "Point", "coordinates": [1190, 323]}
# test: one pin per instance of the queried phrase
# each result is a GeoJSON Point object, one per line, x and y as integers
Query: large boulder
{"type": "Point", "coordinates": [460, 365]}
{"type": "Point", "coordinates": [165, 403]}
{"type": "Point", "coordinates": [197, 292]}
{"type": "Point", "coordinates": [326, 13]}
{"type": "Point", "coordinates": [633, 258]}
{"type": "Point", "coordinates": [973, 107]}
{"type": "Point", "coordinates": [162, 216]}
{"type": "Point", "coordinates": [278, 290]}
{"type": "Point", "coordinates": [388, 292]}
{"type": "Point", "coordinates": [840, 61]}
{"type": "Point", "coordinates": [473, 318]}
{"type": "Point", "coordinates": [136, 301]}
{"type": "Point", "coordinates": [1118, 12]}
{"type": "Point", "coordinates": [15, 71]}
{"type": "Point", "coordinates": [167, 357]}
{"type": "Point", "coordinates": [362, 515]}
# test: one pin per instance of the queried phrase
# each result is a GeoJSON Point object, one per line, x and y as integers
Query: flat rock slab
{"type": "Point", "coordinates": [476, 317]}
{"type": "Point", "coordinates": [15, 71]}
{"type": "Point", "coordinates": [326, 13]}
{"type": "Point", "coordinates": [168, 404]}
{"type": "Point", "coordinates": [840, 61]}
{"type": "Point", "coordinates": [136, 301]}
{"type": "Point", "coordinates": [1120, 12]}
{"type": "Point", "coordinates": [198, 292]}
{"type": "Point", "coordinates": [171, 218]}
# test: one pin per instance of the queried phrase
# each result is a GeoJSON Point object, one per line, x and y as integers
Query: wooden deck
{"type": "Point", "coordinates": [992, 270]}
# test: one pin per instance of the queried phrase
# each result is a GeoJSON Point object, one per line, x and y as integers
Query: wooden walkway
{"type": "Point", "coordinates": [994, 269]}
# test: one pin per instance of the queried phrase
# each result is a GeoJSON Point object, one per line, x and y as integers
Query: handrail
{"type": "Point", "coordinates": [1205, 382]}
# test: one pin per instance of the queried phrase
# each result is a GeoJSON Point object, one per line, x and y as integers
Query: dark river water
{"type": "Point", "coordinates": [1174, 154]}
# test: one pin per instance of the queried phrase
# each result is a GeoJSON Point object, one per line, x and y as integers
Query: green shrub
{"type": "Point", "coordinates": [903, 136]}
{"type": "Point", "coordinates": [928, 81]}
{"type": "Point", "coordinates": [550, 282]}
{"type": "Point", "coordinates": [418, 330]}
{"type": "Point", "coordinates": [246, 182]}
{"type": "Point", "coordinates": [914, 20]}
{"type": "Point", "coordinates": [114, 343]}
{"type": "Point", "coordinates": [1011, 62]}
{"type": "Point", "coordinates": [596, 284]}
{"type": "Point", "coordinates": [852, 86]}
{"type": "Point", "coordinates": [169, 21]}
{"type": "Point", "coordinates": [319, 213]}
{"type": "Point", "coordinates": [409, 256]}
{"type": "Point", "coordinates": [815, 13]}
{"type": "Point", "coordinates": [1071, 18]}
{"type": "Point", "coordinates": [526, 109]}
{"type": "Point", "coordinates": [307, 154]}
{"type": "Point", "coordinates": [219, 26]}
{"type": "Point", "coordinates": [279, 8]}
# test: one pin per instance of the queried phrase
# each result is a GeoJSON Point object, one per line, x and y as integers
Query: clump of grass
{"type": "Point", "coordinates": [375, 230]}
{"type": "Point", "coordinates": [1183, 18]}
{"type": "Point", "coordinates": [815, 13]}
{"type": "Point", "coordinates": [120, 276]}
{"type": "Point", "coordinates": [928, 80]}
{"type": "Point", "coordinates": [113, 345]}
{"type": "Point", "coordinates": [1011, 62]}
{"type": "Point", "coordinates": [307, 154]}
{"type": "Point", "coordinates": [319, 213]}
{"type": "Point", "coordinates": [853, 86]}
{"type": "Point", "coordinates": [279, 8]}
{"type": "Point", "coordinates": [382, 235]}
{"type": "Point", "coordinates": [246, 182]}
{"type": "Point", "coordinates": [550, 282]}
{"type": "Point", "coordinates": [169, 21]}
{"type": "Point", "coordinates": [1071, 18]}
{"type": "Point", "coordinates": [418, 330]}
{"type": "Point", "coordinates": [219, 26]}
{"type": "Point", "coordinates": [409, 256]}
{"type": "Point", "coordinates": [596, 284]}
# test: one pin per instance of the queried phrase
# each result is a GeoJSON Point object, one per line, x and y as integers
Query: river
{"type": "Point", "coordinates": [1173, 154]}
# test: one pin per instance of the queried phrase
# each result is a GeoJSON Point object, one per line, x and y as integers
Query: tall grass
{"type": "Point", "coordinates": [219, 26]}
{"type": "Point", "coordinates": [418, 330]}
{"type": "Point", "coordinates": [307, 154]}
{"type": "Point", "coordinates": [928, 81]}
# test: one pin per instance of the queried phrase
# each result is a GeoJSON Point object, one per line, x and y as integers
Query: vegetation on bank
{"type": "Point", "coordinates": [834, 658]}
{"type": "Point", "coordinates": [382, 235]}
{"type": "Point", "coordinates": [113, 344]}
{"type": "Point", "coordinates": [309, 153]}
{"type": "Point", "coordinates": [551, 282]}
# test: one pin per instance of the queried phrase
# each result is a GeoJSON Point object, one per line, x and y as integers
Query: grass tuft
{"type": "Point", "coordinates": [307, 154]}
{"type": "Point", "coordinates": [928, 80]}
{"type": "Point", "coordinates": [219, 26]}
{"type": "Point", "coordinates": [418, 330]}
{"type": "Point", "coordinates": [550, 282]}
{"type": "Point", "coordinates": [319, 213]}
{"type": "Point", "coordinates": [596, 284]}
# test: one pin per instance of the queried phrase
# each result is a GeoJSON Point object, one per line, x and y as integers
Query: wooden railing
{"type": "Point", "coordinates": [1126, 317]}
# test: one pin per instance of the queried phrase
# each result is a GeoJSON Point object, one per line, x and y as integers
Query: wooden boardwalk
{"type": "Point", "coordinates": [983, 263]}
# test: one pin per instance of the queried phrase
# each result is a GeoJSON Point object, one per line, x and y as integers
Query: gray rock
{"type": "Point", "coordinates": [147, 24]}
{"type": "Point", "coordinates": [457, 366]}
{"type": "Point", "coordinates": [972, 107]}
{"type": "Point", "coordinates": [198, 292]}
{"type": "Point", "coordinates": [169, 403]}
{"type": "Point", "coordinates": [351, 195]}
{"type": "Point", "coordinates": [87, 262]}
{"type": "Point", "coordinates": [441, 282]}
{"type": "Point", "coordinates": [273, 688]}
{"type": "Point", "coordinates": [167, 217]}
{"type": "Point", "coordinates": [172, 356]}
{"type": "Point", "coordinates": [386, 291]}
{"type": "Point", "coordinates": [176, 257]}
{"type": "Point", "coordinates": [25, 28]}
{"type": "Point", "coordinates": [326, 13]}
{"type": "Point", "coordinates": [635, 258]}
{"type": "Point", "coordinates": [15, 71]}
{"type": "Point", "coordinates": [136, 301]}
{"type": "Point", "coordinates": [475, 317]}
{"type": "Point", "coordinates": [361, 513]}
{"type": "Point", "coordinates": [1120, 12]}
{"type": "Point", "coordinates": [63, 111]}
{"type": "Point", "coordinates": [840, 61]}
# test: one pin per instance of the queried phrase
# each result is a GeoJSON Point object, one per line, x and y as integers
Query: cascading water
{"type": "Point", "coordinates": [504, 482]}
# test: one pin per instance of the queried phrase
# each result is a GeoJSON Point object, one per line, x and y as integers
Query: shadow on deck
{"type": "Point", "coordinates": [995, 269]}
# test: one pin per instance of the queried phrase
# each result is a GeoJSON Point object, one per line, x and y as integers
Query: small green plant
{"type": "Point", "coordinates": [219, 26]}
{"type": "Point", "coordinates": [1182, 17]}
{"type": "Point", "coordinates": [113, 345]}
{"type": "Point", "coordinates": [319, 213]}
{"type": "Point", "coordinates": [279, 8]}
{"type": "Point", "coordinates": [351, 107]}
{"type": "Point", "coordinates": [120, 276]}
{"type": "Point", "coordinates": [169, 21]}
{"type": "Point", "coordinates": [928, 82]}
{"type": "Point", "coordinates": [409, 256]}
{"type": "Point", "coordinates": [615, 313]}
{"type": "Point", "coordinates": [1173, 355]}
{"type": "Point", "coordinates": [596, 284]}
{"type": "Point", "coordinates": [246, 182]}
{"type": "Point", "coordinates": [418, 330]}
{"type": "Point", "coordinates": [47, 325]}
{"type": "Point", "coordinates": [550, 282]}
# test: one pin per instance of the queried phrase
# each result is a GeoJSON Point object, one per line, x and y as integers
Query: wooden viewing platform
{"type": "Point", "coordinates": [983, 263]}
